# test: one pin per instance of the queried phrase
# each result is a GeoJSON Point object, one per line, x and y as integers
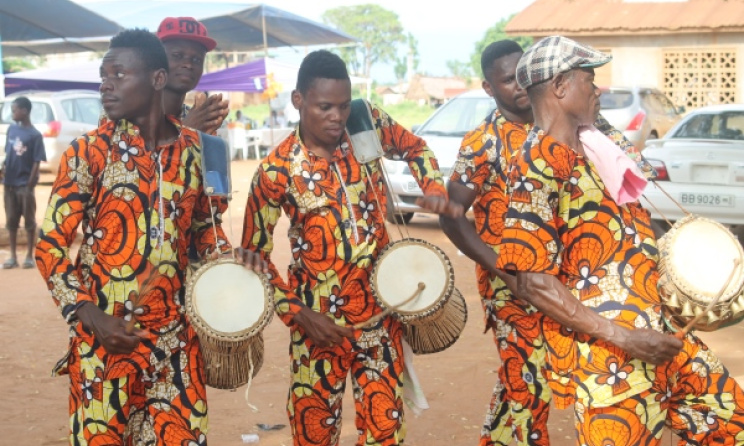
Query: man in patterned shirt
{"type": "Point", "coordinates": [520, 402]}
{"type": "Point", "coordinates": [588, 261]}
{"type": "Point", "coordinates": [135, 184]}
{"type": "Point", "coordinates": [187, 43]}
{"type": "Point", "coordinates": [336, 206]}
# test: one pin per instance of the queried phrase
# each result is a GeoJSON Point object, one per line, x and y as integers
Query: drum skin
{"type": "Point", "coordinates": [399, 269]}
{"type": "Point", "coordinates": [696, 258]}
{"type": "Point", "coordinates": [229, 306]}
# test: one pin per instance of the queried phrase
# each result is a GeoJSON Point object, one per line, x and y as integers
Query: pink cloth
{"type": "Point", "coordinates": [621, 176]}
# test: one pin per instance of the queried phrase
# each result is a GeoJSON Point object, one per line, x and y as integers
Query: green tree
{"type": "Point", "coordinates": [378, 30]}
{"type": "Point", "coordinates": [493, 34]}
{"type": "Point", "coordinates": [401, 63]}
{"type": "Point", "coordinates": [460, 69]}
{"type": "Point", "coordinates": [16, 64]}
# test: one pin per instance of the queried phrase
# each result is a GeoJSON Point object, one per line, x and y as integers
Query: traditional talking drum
{"type": "Point", "coordinates": [696, 258]}
{"type": "Point", "coordinates": [439, 333]}
{"type": "Point", "coordinates": [400, 268]}
{"type": "Point", "coordinates": [229, 306]}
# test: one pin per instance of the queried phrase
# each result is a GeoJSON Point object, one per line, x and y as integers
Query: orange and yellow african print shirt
{"type": "Point", "coordinates": [561, 221]}
{"type": "Point", "coordinates": [139, 210]}
{"type": "Point", "coordinates": [485, 154]}
{"type": "Point", "coordinates": [337, 219]}
{"type": "Point", "coordinates": [481, 165]}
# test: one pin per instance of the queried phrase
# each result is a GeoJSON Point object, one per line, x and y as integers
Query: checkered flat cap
{"type": "Point", "coordinates": [554, 55]}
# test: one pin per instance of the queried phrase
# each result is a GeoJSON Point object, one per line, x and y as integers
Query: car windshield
{"type": "Point", "coordinates": [614, 99]}
{"type": "Point", "coordinates": [722, 125]}
{"type": "Point", "coordinates": [458, 116]}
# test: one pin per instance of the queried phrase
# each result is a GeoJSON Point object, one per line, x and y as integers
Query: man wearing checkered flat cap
{"type": "Point", "coordinates": [579, 247]}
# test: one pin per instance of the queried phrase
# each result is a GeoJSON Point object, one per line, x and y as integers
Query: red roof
{"type": "Point", "coordinates": [613, 17]}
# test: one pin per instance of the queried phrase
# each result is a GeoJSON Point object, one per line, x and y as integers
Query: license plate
{"type": "Point", "coordinates": [412, 186]}
{"type": "Point", "coordinates": [707, 200]}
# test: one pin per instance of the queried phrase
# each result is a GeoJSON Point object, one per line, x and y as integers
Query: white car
{"type": "Point", "coordinates": [700, 163]}
{"type": "Point", "coordinates": [60, 117]}
{"type": "Point", "coordinates": [443, 132]}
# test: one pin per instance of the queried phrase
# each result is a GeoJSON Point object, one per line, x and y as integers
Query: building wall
{"type": "Point", "coordinates": [638, 59]}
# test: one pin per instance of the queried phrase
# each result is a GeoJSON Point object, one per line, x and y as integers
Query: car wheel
{"type": "Point", "coordinates": [392, 215]}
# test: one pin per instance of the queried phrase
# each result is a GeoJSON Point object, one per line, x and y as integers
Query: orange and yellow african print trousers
{"type": "Point", "coordinates": [694, 395]}
{"type": "Point", "coordinates": [319, 380]}
{"type": "Point", "coordinates": [163, 406]}
{"type": "Point", "coordinates": [520, 403]}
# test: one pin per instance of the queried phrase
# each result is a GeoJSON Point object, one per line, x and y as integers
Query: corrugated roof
{"type": "Point", "coordinates": [611, 17]}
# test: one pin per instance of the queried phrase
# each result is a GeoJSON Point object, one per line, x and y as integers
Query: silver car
{"type": "Point", "coordinates": [700, 163]}
{"type": "Point", "coordinates": [443, 132]}
{"type": "Point", "coordinates": [640, 113]}
{"type": "Point", "coordinates": [60, 117]}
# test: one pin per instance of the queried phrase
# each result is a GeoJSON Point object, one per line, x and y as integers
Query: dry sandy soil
{"type": "Point", "coordinates": [457, 381]}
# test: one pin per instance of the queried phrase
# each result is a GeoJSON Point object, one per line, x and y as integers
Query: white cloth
{"type": "Point", "coordinates": [413, 394]}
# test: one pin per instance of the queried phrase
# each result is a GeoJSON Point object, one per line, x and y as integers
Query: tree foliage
{"type": "Point", "coordinates": [493, 34]}
{"type": "Point", "coordinates": [378, 30]}
{"type": "Point", "coordinates": [460, 69]}
{"type": "Point", "coordinates": [401, 63]}
{"type": "Point", "coordinates": [16, 64]}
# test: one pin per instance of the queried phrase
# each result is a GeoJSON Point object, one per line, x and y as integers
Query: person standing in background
{"type": "Point", "coordinates": [24, 150]}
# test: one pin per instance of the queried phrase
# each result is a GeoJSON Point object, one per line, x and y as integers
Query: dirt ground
{"type": "Point", "coordinates": [457, 382]}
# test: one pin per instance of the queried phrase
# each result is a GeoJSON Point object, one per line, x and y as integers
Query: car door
{"type": "Point", "coordinates": [81, 115]}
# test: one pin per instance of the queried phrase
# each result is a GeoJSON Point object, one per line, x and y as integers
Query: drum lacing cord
{"type": "Point", "coordinates": [656, 184]}
{"type": "Point", "coordinates": [396, 211]}
{"type": "Point", "coordinates": [214, 224]}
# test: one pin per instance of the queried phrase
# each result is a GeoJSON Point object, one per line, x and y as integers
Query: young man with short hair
{"type": "Point", "coordinates": [187, 43]}
{"type": "Point", "coordinates": [24, 150]}
{"type": "Point", "coordinates": [336, 207]}
{"type": "Point", "coordinates": [135, 184]}
{"type": "Point", "coordinates": [520, 402]}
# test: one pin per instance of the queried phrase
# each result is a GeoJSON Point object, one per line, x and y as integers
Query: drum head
{"type": "Point", "coordinates": [700, 255]}
{"type": "Point", "coordinates": [402, 266]}
{"type": "Point", "coordinates": [228, 298]}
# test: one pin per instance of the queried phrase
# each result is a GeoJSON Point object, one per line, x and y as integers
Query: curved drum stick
{"type": "Point", "coordinates": [681, 334]}
{"type": "Point", "coordinates": [377, 317]}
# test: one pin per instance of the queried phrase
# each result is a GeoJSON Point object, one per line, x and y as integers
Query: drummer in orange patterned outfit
{"type": "Point", "coordinates": [135, 184]}
{"type": "Point", "coordinates": [337, 229]}
{"type": "Point", "coordinates": [521, 399]}
{"type": "Point", "coordinates": [585, 255]}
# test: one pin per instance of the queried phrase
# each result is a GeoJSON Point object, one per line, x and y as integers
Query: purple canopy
{"type": "Point", "coordinates": [83, 75]}
{"type": "Point", "coordinates": [250, 77]}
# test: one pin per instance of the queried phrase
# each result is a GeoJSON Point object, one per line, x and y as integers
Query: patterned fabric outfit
{"type": "Point", "coordinates": [561, 221]}
{"type": "Point", "coordinates": [520, 401]}
{"type": "Point", "coordinates": [139, 210]}
{"type": "Point", "coordinates": [337, 229]}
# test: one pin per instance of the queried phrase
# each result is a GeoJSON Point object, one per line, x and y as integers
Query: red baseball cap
{"type": "Point", "coordinates": [187, 28]}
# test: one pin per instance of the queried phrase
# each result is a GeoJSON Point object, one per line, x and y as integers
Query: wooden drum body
{"type": "Point", "coordinates": [441, 332]}
{"type": "Point", "coordinates": [696, 258]}
{"type": "Point", "coordinates": [400, 267]}
{"type": "Point", "coordinates": [229, 306]}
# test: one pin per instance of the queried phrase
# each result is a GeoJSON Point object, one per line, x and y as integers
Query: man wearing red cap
{"type": "Point", "coordinates": [186, 43]}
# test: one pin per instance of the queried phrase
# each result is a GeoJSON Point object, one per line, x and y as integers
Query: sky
{"type": "Point", "coordinates": [445, 30]}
